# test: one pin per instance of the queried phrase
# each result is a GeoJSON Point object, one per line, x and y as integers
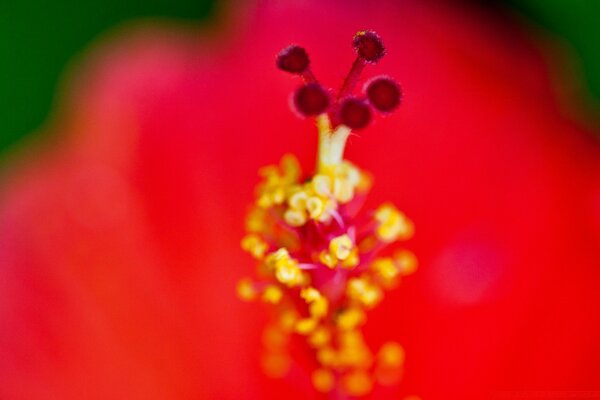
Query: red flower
{"type": "Point", "coordinates": [120, 236]}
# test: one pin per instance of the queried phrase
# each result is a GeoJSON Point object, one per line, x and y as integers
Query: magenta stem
{"type": "Point", "coordinates": [352, 78]}
{"type": "Point", "coordinates": [308, 76]}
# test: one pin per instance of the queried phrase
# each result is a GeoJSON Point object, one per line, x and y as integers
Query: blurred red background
{"type": "Point", "coordinates": [120, 236]}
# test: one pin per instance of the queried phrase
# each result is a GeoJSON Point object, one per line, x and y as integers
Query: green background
{"type": "Point", "coordinates": [39, 38]}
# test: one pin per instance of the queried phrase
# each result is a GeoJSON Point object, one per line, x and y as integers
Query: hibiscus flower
{"type": "Point", "coordinates": [120, 234]}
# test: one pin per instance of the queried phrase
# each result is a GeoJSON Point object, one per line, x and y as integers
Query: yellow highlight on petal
{"type": "Point", "coordinates": [323, 380]}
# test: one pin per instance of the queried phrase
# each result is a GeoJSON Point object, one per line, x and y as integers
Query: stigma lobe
{"type": "Point", "coordinates": [311, 99]}
{"type": "Point", "coordinates": [293, 59]}
{"type": "Point", "coordinates": [343, 108]}
{"type": "Point", "coordinates": [368, 46]}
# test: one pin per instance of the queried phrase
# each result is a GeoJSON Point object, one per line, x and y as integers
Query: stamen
{"type": "Point", "coordinates": [311, 99]}
{"type": "Point", "coordinates": [383, 93]}
{"type": "Point", "coordinates": [355, 113]}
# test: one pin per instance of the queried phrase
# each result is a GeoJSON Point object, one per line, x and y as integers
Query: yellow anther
{"type": "Point", "coordinates": [245, 290]}
{"type": "Point", "coordinates": [306, 326]}
{"type": "Point", "coordinates": [315, 207]}
{"type": "Point", "coordinates": [264, 201]}
{"type": "Point", "coordinates": [350, 318]}
{"type": "Point", "coordinates": [327, 259]}
{"type": "Point", "coordinates": [291, 167]}
{"type": "Point", "coordinates": [365, 182]}
{"type": "Point", "coordinates": [286, 268]}
{"type": "Point", "coordinates": [327, 356]}
{"type": "Point", "coordinates": [341, 247]}
{"type": "Point", "coordinates": [355, 357]}
{"type": "Point", "coordinates": [343, 190]}
{"type": "Point", "coordinates": [297, 201]}
{"type": "Point", "coordinates": [272, 294]}
{"type": "Point", "coordinates": [254, 245]}
{"type": "Point", "coordinates": [351, 339]}
{"type": "Point", "coordinates": [278, 195]}
{"type": "Point", "coordinates": [361, 290]}
{"type": "Point", "coordinates": [310, 294]}
{"type": "Point", "coordinates": [288, 320]}
{"type": "Point", "coordinates": [321, 184]}
{"type": "Point", "coordinates": [357, 383]}
{"type": "Point", "coordinates": [356, 287]}
{"type": "Point", "coordinates": [320, 337]}
{"type": "Point", "coordinates": [371, 297]}
{"type": "Point", "coordinates": [278, 181]}
{"type": "Point", "coordinates": [318, 308]}
{"type": "Point", "coordinates": [392, 224]}
{"type": "Point", "coordinates": [256, 221]}
{"type": "Point", "coordinates": [295, 217]}
{"type": "Point", "coordinates": [391, 355]}
{"type": "Point", "coordinates": [407, 262]}
{"type": "Point", "coordinates": [323, 380]}
{"type": "Point", "coordinates": [289, 274]}
{"type": "Point", "coordinates": [353, 351]}
{"type": "Point", "coordinates": [318, 304]}
{"type": "Point", "coordinates": [386, 269]}
{"type": "Point", "coordinates": [352, 260]}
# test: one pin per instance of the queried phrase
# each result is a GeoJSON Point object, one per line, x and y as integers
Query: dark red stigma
{"type": "Point", "coordinates": [381, 93]}
{"type": "Point", "coordinates": [369, 46]}
{"type": "Point", "coordinates": [354, 113]}
{"type": "Point", "coordinates": [311, 99]}
{"type": "Point", "coordinates": [384, 94]}
{"type": "Point", "coordinates": [293, 59]}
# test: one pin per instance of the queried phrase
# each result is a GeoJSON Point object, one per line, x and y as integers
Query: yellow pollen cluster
{"type": "Point", "coordinates": [341, 251]}
{"type": "Point", "coordinates": [318, 198]}
{"type": "Point", "coordinates": [286, 268]}
{"type": "Point", "coordinates": [392, 224]}
{"type": "Point", "coordinates": [320, 271]}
